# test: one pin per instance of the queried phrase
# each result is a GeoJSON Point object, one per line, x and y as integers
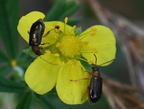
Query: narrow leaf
{"type": "Point", "coordinates": [25, 101]}
{"type": "Point", "coordinates": [70, 9]}
{"type": "Point", "coordinates": [8, 24]}
{"type": "Point", "coordinates": [7, 85]}
{"type": "Point", "coordinates": [3, 57]}
{"type": "Point", "coordinates": [56, 11]}
{"type": "Point", "coordinates": [73, 22]}
{"type": "Point", "coordinates": [5, 69]}
{"type": "Point", "coordinates": [47, 102]}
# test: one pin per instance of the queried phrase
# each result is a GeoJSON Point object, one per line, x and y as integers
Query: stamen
{"type": "Point", "coordinates": [56, 36]}
{"type": "Point", "coordinates": [48, 61]}
{"type": "Point", "coordinates": [80, 36]}
{"type": "Point", "coordinates": [56, 54]}
{"type": "Point", "coordinates": [90, 51]}
{"type": "Point", "coordinates": [56, 29]}
{"type": "Point", "coordinates": [94, 50]}
{"type": "Point", "coordinates": [90, 62]}
{"type": "Point", "coordinates": [65, 22]}
{"type": "Point", "coordinates": [47, 51]}
{"type": "Point", "coordinates": [86, 52]}
{"type": "Point", "coordinates": [62, 63]}
{"type": "Point", "coordinates": [58, 44]}
{"type": "Point", "coordinates": [81, 59]}
{"type": "Point", "coordinates": [73, 28]}
{"type": "Point", "coordinates": [92, 32]}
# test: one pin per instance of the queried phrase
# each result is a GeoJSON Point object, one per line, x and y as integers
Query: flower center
{"type": "Point", "coordinates": [70, 46]}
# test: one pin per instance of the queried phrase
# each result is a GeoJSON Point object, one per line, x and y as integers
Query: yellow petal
{"type": "Point", "coordinates": [101, 42]}
{"type": "Point", "coordinates": [26, 22]}
{"type": "Point", "coordinates": [41, 75]}
{"type": "Point", "coordinates": [70, 91]}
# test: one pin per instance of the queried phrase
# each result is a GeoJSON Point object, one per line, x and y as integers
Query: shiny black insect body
{"type": "Point", "coordinates": [95, 88]}
{"type": "Point", "coordinates": [35, 36]}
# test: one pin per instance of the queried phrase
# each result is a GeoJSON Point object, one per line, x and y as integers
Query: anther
{"type": "Point", "coordinates": [94, 50]}
{"type": "Point", "coordinates": [66, 20]}
{"type": "Point", "coordinates": [56, 54]}
{"type": "Point", "coordinates": [93, 31]}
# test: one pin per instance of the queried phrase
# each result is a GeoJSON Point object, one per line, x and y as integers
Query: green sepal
{"type": "Point", "coordinates": [29, 52]}
{"type": "Point", "coordinates": [78, 31]}
{"type": "Point", "coordinates": [86, 66]}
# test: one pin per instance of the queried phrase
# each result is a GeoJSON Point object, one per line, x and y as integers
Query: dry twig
{"type": "Point", "coordinates": [121, 96]}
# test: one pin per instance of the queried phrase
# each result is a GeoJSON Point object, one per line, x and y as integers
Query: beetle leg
{"type": "Point", "coordinates": [55, 28]}
{"type": "Point", "coordinates": [46, 33]}
{"type": "Point", "coordinates": [80, 79]}
{"type": "Point", "coordinates": [44, 43]}
{"type": "Point", "coordinates": [87, 90]}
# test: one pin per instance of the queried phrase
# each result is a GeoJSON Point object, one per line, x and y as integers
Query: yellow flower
{"type": "Point", "coordinates": [63, 52]}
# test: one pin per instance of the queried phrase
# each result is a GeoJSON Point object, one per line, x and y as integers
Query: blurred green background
{"type": "Point", "coordinates": [14, 94]}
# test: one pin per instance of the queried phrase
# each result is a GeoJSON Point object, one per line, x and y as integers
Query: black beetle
{"type": "Point", "coordinates": [95, 88]}
{"type": "Point", "coordinates": [35, 36]}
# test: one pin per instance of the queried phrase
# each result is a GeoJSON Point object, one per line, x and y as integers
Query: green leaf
{"type": "Point", "coordinates": [3, 57]}
{"type": "Point", "coordinates": [25, 101]}
{"type": "Point", "coordinates": [56, 11]}
{"type": "Point", "coordinates": [9, 13]}
{"type": "Point", "coordinates": [61, 9]}
{"type": "Point", "coordinates": [47, 101]}
{"type": "Point", "coordinates": [37, 96]}
{"type": "Point", "coordinates": [7, 85]}
{"type": "Point", "coordinates": [5, 69]}
{"type": "Point", "coordinates": [73, 22]}
{"type": "Point", "coordinates": [70, 9]}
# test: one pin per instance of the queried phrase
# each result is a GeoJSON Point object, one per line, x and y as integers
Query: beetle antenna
{"type": "Point", "coordinates": [95, 59]}
{"type": "Point", "coordinates": [106, 62]}
{"type": "Point", "coordinates": [102, 63]}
